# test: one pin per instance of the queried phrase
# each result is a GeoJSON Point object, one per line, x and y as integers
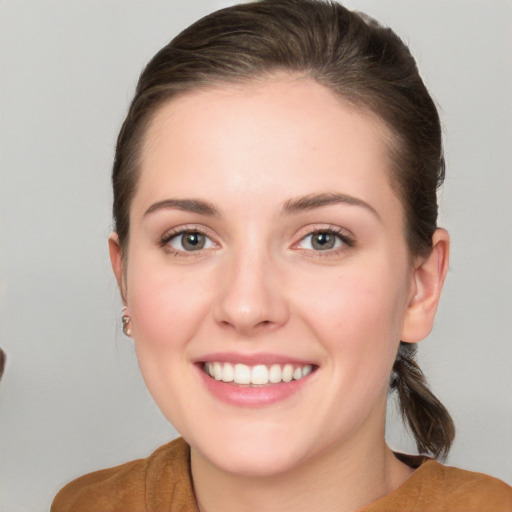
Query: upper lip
{"type": "Point", "coordinates": [251, 359]}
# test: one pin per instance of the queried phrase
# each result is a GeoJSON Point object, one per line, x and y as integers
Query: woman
{"type": "Point", "coordinates": [277, 252]}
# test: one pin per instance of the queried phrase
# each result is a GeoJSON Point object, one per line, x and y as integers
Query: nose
{"type": "Point", "coordinates": [251, 298]}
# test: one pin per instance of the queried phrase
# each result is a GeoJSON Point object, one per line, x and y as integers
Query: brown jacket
{"type": "Point", "coordinates": [161, 483]}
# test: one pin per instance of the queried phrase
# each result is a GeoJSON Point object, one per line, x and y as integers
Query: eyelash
{"type": "Point", "coordinates": [346, 241]}
{"type": "Point", "coordinates": [174, 234]}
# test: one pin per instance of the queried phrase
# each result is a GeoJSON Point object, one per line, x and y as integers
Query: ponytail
{"type": "Point", "coordinates": [427, 418]}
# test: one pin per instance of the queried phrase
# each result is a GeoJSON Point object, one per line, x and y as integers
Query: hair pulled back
{"type": "Point", "coordinates": [359, 60]}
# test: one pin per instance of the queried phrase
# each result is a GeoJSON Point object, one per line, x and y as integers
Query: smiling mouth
{"type": "Point", "coordinates": [258, 375]}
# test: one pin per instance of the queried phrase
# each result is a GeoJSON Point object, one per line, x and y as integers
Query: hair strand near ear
{"type": "Point", "coordinates": [427, 418]}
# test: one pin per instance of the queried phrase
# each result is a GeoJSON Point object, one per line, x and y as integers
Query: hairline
{"type": "Point", "coordinates": [390, 137]}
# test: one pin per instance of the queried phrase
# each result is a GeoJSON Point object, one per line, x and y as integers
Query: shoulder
{"type": "Point", "coordinates": [138, 485]}
{"type": "Point", "coordinates": [434, 487]}
{"type": "Point", "coordinates": [476, 491]}
{"type": "Point", "coordinates": [456, 479]}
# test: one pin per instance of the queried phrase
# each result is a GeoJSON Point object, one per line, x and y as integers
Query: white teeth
{"type": "Point", "coordinates": [228, 373]}
{"type": "Point", "coordinates": [275, 374]}
{"type": "Point", "coordinates": [242, 374]}
{"type": "Point", "coordinates": [306, 370]}
{"type": "Point", "coordinates": [217, 371]}
{"type": "Point", "coordinates": [287, 372]}
{"type": "Point", "coordinates": [257, 375]}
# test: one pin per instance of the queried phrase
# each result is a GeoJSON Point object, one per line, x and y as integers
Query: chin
{"type": "Point", "coordinates": [253, 461]}
{"type": "Point", "coordinates": [251, 454]}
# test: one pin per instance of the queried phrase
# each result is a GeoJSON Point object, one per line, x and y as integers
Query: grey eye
{"type": "Point", "coordinates": [190, 241]}
{"type": "Point", "coordinates": [321, 241]}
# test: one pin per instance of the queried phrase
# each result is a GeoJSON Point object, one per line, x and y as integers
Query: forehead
{"type": "Point", "coordinates": [289, 97]}
{"type": "Point", "coordinates": [287, 132]}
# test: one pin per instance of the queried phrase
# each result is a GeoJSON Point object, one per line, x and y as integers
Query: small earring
{"type": "Point", "coordinates": [127, 323]}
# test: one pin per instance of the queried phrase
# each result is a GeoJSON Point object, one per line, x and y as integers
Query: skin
{"type": "Point", "coordinates": [260, 287]}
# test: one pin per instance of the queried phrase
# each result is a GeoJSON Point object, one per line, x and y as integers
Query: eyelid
{"type": "Point", "coordinates": [347, 238]}
{"type": "Point", "coordinates": [187, 228]}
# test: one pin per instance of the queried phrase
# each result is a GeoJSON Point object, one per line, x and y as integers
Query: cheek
{"type": "Point", "coordinates": [167, 309]}
{"type": "Point", "coordinates": [358, 314]}
{"type": "Point", "coordinates": [166, 305]}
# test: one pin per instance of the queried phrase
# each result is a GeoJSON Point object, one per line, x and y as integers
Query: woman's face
{"type": "Point", "coordinates": [267, 244]}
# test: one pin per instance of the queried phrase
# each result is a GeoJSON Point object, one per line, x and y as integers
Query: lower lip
{"type": "Point", "coordinates": [252, 396]}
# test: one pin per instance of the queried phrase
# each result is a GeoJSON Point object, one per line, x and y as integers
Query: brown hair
{"type": "Point", "coordinates": [356, 58]}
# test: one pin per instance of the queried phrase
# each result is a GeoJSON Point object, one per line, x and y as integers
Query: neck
{"type": "Point", "coordinates": [344, 479]}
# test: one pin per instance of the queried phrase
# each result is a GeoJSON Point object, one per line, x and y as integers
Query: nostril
{"type": "Point", "coordinates": [264, 324]}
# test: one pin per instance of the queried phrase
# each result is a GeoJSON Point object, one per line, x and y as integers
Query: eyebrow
{"type": "Point", "coordinates": [313, 201]}
{"type": "Point", "coordinates": [304, 203]}
{"type": "Point", "coordinates": [187, 205]}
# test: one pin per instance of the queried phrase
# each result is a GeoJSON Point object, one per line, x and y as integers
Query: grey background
{"type": "Point", "coordinates": [72, 400]}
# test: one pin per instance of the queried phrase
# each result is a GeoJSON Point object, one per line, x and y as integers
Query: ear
{"type": "Point", "coordinates": [116, 259]}
{"type": "Point", "coordinates": [427, 282]}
